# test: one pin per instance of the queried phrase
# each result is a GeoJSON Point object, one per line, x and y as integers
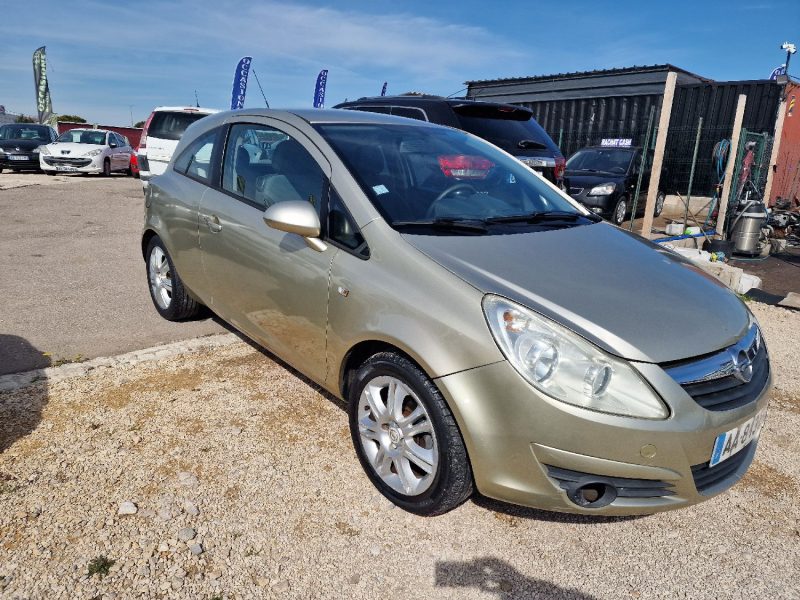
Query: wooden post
{"type": "Point", "coordinates": [776, 146]}
{"type": "Point", "coordinates": [658, 154]}
{"type": "Point", "coordinates": [732, 153]}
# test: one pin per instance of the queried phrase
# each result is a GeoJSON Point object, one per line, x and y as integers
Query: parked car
{"type": "Point", "coordinates": [507, 126]}
{"type": "Point", "coordinates": [19, 145]}
{"type": "Point", "coordinates": [86, 151]}
{"type": "Point", "coordinates": [603, 179]}
{"type": "Point", "coordinates": [160, 135]}
{"type": "Point", "coordinates": [484, 330]}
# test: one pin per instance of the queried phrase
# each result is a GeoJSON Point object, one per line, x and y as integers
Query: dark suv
{"type": "Point", "coordinates": [509, 127]}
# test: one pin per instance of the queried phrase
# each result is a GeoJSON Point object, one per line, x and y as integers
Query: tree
{"type": "Point", "coordinates": [71, 118]}
{"type": "Point", "coordinates": [139, 124]}
{"type": "Point", "coordinates": [24, 119]}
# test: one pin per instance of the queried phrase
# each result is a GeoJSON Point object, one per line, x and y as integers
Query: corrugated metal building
{"type": "Point", "coordinates": [581, 109]}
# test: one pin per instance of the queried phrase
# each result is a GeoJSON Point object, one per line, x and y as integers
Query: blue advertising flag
{"type": "Point", "coordinates": [319, 90]}
{"type": "Point", "coordinates": [383, 89]}
{"type": "Point", "coordinates": [240, 82]}
{"type": "Point", "coordinates": [777, 71]}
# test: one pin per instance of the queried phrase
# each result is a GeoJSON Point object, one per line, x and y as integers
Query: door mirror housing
{"type": "Point", "coordinates": [299, 217]}
{"type": "Point", "coordinates": [112, 145]}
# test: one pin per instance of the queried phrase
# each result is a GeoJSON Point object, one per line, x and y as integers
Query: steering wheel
{"type": "Point", "coordinates": [453, 188]}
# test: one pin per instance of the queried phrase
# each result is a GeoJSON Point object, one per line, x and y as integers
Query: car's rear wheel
{"type": "Point", "coordinates": [620, 210]}
{"type": "Point", "coordinates": [50, 172]}
{"type": "Point", "coordinates": [406, 437]}
{"type": "Point", "coordinates": [106, 168]}
{"type": "Point", "coordinates": [166, 288]}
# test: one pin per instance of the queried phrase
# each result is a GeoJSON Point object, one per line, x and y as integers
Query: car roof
{"type": "Point", "coordinates": [426, 100]}
{"type": "Point", "coordinates": [88, 129]}
{"type": "Point", "coordinates": [189, 109]}
{"type": "Point", "coordinates": [315, 116]}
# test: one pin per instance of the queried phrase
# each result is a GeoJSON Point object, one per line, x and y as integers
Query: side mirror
{"type": "Point", "coordinates": [112, 145]}
{"type": "Point", "coordinates": [299, 217]}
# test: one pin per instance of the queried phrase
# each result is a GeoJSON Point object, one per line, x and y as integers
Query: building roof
{"type": "Point", "coordinates": [581, 74]}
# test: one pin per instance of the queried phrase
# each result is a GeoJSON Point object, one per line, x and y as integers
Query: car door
{"type": "Point", "coordinates": [268, 283]}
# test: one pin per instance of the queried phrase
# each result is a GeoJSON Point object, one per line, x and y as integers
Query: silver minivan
{"type": "Point", "coordinates": [485, 331]}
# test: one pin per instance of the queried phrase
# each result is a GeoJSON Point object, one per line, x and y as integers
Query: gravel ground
{"type": "Point", "coordinates": [221, 474]}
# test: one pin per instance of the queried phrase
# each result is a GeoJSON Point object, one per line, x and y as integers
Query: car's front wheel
{"type": "Point", "coordinates": [106, 168]}
{"type": "Point", "coordinates": [660, 199]}
{"type": "Point", "coordinates": [406, 437]}
{"type": "Point", "coordinates": [166, 288]}
{"type": "Point", "coordinates": [620, 210]}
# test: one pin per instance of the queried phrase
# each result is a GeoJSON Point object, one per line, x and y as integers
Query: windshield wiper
{"type": "Point", "coordinates": [538, 217]}
{"type": "Point", "coordinates": [475, 225]}
{"type": "Point", "coordinates": [527, 144]}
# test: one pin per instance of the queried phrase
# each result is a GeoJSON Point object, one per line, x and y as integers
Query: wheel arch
{"type": "Point", "coordinates": [359, 353]}
{"type": "Point", "coordinates": [148, 235]}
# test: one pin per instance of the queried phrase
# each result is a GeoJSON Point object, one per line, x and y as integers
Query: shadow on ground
{"type": "Point", "coordinates": [20, 411]}
{"type": "Point", "coordinates": [494, 576]}
{"type": "Point", "coordinates": [523, 512]}
{"type": "Point", "coordinates": [17, 355]}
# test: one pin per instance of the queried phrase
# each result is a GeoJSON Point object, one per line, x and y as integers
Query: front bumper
{"type": "Point", "coordinates": [20, 161]}
{"type": "Point", "coordinates": [600, 205]}
{"type": "Point", "coordinates": [521, 443]}
{"type": "Point", "coordinates": [77, 164]}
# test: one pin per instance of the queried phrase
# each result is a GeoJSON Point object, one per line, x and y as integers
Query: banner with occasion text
{"type": "Point", "coordinates": [240, 82]}
{"type": "Point", "coordinates": [44, 103]}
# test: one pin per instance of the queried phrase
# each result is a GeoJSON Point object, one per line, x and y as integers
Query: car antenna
{"type": "Point", "coordinates": [260, 88]}
{"type": "Point", "coordinates": [196, 100]}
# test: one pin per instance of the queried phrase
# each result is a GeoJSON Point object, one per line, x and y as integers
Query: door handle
{"type": "Point", "coordinates": [212, 221]}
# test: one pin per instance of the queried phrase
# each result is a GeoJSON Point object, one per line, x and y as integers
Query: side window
{"type": "Point", "coordinates": [409, 112]}
{"type": "Point", "coordinates": [195, 160]}
{"type": "Point", "coordinates": [265, 166]}
{"type": "Point", "coordinates": [341, 227]}
{"type": "Point", "coordinates": [384, 110]}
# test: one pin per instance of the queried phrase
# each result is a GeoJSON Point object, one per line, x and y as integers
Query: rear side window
{"type": "Point", "coordinates": [384, 110]}
{"type": "Point", "coordinates": [171, 125]}
{"type": "Point", "coordinates": [515, 131]}
{"type": "Point", "coordinates": [195, 160]}
{"type": "Point", "coordinates": [409, 112]}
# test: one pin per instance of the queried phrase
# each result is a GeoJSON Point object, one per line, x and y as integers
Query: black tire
{"type": "Point", "coordinates": [51, 173]}
{"type": "Point", "coordinates": [180, 305]}
{"type": "Point", "coordinates": [619, 212]}
{"type": "Point", "coordinates": [129, 172]}
{"type": "Point", "coordinates": [106, 168]}
{"type": "Point", "coordinates": [659, 208]}
{"type": "Point", "coordinates": [451, 483]}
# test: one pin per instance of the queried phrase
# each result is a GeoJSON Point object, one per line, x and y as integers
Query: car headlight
{"type": "Point", "coordinates": [603, 190]}
{"type": "Point", "coordinates": [566, 367]}
{"type": "Point", "coordinates": [94, 152]}
{"type": "Point", "coordinates": [43, 150]}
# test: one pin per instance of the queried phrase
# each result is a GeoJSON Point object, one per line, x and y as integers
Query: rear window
{"type": "Point", "coordinates": [171, 125]}
{"type": "Point", "coordinates": [513, 130]}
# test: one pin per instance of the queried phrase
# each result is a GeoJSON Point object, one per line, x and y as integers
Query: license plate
{"type": "Point", "coordinates": [18, 157]}
{"type": "Point", "coordinates": [62, 168]}
{"type": "Point", "coordinates": [729, 443]}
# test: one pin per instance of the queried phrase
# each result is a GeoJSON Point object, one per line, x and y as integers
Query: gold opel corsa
{"type": "Point", "coordinates": [486, 331]}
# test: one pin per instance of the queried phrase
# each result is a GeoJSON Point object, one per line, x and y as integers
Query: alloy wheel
{"type": "Point", "coordinates": [160, 276]}
{"type": "Point", "coordinates": [397, 436]}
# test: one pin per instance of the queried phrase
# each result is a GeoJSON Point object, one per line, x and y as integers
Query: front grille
{"type": "Point", "coordinates": [63, 160]}
{"type": "Point", "coordinates": [574, 191]}
{"type": "Point", "coordinates": [729, 379]}
{"type": "Point", "coordinates": [725, 474]}
{"type": "Point", "coordinates": [625, 486]}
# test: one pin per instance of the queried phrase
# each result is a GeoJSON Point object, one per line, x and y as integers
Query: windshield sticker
{"type": "Point", "coordinates": [380, 189]}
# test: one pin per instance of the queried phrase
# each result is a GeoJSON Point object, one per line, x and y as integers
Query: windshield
{"type": "Point", "coordinates": [83, 136]}
{"type": "Point", "coordinates": [416, 174]}
{"type": "Point", "coordinates": [24, 132]}
{"type": "Point", "coordinates": [606, 160]}
{"type": "Point", "coordinates": [171, 125]}
{"type": "Point", "coordinates": [514, 131]}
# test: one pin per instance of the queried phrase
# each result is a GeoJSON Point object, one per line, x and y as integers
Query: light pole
{"type": "Point", "coordinates": [790, 49]}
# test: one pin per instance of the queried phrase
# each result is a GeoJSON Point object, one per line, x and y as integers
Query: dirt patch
{"type": "Point", "coordinates": [770, 481]}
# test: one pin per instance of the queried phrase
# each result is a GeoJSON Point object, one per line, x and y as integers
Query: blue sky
{"type": "Point", "coordinates": [104, 57]}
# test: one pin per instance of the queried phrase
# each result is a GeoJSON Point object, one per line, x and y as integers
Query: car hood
{"type": "Point", "coordinates": [23, 145]}
{"type": "Point", "coordinates": [585, 180]}
{"type": "Point", "coordinates": [627, 295]}
{"type": "Point", "coordinates": [72, 148]}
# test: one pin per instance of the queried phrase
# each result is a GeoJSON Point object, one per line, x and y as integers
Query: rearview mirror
{"type": "Point", "coordinates": [112, 145]}
{"type": "Point", "coordinates": [299, 217]}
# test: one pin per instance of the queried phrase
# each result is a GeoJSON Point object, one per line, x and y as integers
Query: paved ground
{"type": "Point", "coordinates": [244, 484]}
{"type": "Point", "coordinates": [73, 283]}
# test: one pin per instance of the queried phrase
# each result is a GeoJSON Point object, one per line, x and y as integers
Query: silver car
{"type": "Point", "coordinates": [486, 332]}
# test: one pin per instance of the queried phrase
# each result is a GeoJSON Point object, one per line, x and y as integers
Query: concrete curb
{"type": "Point", "coordinates": [14, 381]}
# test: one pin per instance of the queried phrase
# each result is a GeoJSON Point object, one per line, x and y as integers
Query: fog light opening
{"type": "Point", "coordinates": [592, 493]}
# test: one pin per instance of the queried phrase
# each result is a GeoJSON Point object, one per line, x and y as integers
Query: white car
{"type": "Point", "coordinates": [161, 134]}
{"type": "Point", "coordinates": [86, 151]}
